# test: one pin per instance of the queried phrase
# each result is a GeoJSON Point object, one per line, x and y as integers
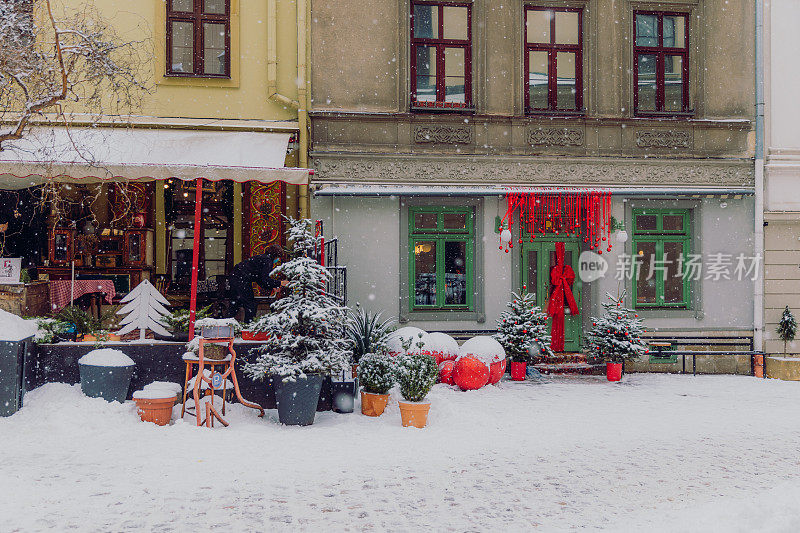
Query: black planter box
{"type": "Point", "coordinates": [16, 361]}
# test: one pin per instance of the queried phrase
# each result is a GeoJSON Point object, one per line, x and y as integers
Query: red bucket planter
{"type": "Point", "coordinates": [518, 371]}
{"type": "Point", "coordinates": [613, 371]}
{"type": "Point", "coordinates": [254, 336]}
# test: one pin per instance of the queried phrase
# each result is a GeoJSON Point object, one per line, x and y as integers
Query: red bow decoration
{"type": "Point", "coordinates": [561, 277]}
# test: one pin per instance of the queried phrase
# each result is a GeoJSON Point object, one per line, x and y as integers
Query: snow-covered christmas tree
{"type": "Point", "coordinates": [617, 335]}
{"type": "Point", "coordinates": [787, 327]}
{"type": "Point", "coordinates": [307, 328]}
{"type": "Point", "coordinates": [146, 308]}
{"type": "Point", "coordinates": [523, 327]}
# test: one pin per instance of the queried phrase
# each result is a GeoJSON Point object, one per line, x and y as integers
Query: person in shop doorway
{"type": "Point", "coordinates": [255, 269]}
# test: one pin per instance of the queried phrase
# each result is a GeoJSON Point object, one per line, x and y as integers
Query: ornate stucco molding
{"type": "Point", "coordinates": [663, 139]}
{"type": "Point", "coordinates": [536, 136]}
{"type": "Point", "coordinates": [443, 134]}
{"type": "Point", "coordinates": [531, 171]}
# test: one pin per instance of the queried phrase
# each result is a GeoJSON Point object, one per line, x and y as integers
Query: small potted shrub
{"type": "Point", "coordinates": [155, 405]}
{"type": "Point", "coordinates": [367, 333]}
{"type": "Point", "coordinates": [376, 376]}
{"type": "Point", "coordinates": [416, 374]}
{"type": "Point", "coordinates": [306, 332]}
{"type": "Point", "coordinates": [523, 332]}
{"type": "Point", "coordinates": [616, 336]}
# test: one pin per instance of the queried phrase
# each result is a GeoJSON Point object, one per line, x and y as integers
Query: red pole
{"type": "Point", "coordinates": [198, 211]}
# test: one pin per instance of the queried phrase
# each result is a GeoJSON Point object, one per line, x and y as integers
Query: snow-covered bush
{"type": "Point", "coordinates": [367, 333]}
{"type": "Point", "coordinates": [307, 327]}
{"type": "Point", "coordinates": [616, 336]}
{"type": "Point", "coordinates": [376, 372]}
{"type": "Point", "coordinates": [50, 330]}
{"type": "Point", "coordinates": [416, 375]}
{"type": "Point", "coordinates": [523, 331]}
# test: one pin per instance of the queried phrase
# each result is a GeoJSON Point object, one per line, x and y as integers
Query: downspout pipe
{"type": "Point", "coordinates": [301, 104]}
{"type": "Point", "coordinates": [758, 288]}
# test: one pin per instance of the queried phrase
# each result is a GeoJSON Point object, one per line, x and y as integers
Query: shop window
{"type": "Point", "coordinates": [198, 38]}
{"type": "Point", "coordinates": [217, 232]}
{"type": "Point", "coordinates": [441, 55]}
{"type": "Point", "coordinates": [441, 246]}
{"type": "Point", "coordinates": [661, 247]}
{"type": "Point", "coordinates": [553, 59]}
{"type": "Point", "coordinates": [661, 63]}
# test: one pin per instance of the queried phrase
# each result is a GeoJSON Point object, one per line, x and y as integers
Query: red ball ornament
{"type": "Point", "coordinates": [506, 250]}
{"type": "Point", "coordinates": [496, 371]}
{"type": "Point", "coordinates": [470, 373]}
{"type": "Point", "coordinates": [446, 372]}
{"type": "Point", "coordinates": [501, 246]}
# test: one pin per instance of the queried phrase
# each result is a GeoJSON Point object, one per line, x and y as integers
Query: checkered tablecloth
{"type": "Point", "coordinates": [60, 290]}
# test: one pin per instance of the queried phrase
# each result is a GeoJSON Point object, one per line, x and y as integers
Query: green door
{"type": "Point", "coordinates": [538, 259]}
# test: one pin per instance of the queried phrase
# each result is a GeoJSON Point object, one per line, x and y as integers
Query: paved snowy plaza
{"type": "Point", "coordinates": [653, 453]}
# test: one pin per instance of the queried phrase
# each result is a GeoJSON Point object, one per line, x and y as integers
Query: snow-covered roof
{"type": "Point", "coordinates": [91, 155]}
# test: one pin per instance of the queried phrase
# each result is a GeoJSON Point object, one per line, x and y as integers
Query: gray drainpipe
{"type": "Point", "coordinates": [758, 292]}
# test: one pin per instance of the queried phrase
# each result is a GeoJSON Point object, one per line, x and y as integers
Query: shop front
{"type": "Point", "coordinates": [130, 213]}
{"type": "Point", "coordinates": [448, 258]}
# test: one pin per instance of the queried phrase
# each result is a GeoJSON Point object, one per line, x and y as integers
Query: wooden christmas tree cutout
{"type": "Point", "coordinates": [144, 307]}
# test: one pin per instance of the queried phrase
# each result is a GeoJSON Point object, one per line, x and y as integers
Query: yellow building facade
{"type": "Point", "coordinates": [222, 76]}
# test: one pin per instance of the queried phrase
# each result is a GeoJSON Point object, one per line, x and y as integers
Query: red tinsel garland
{"type": "Point", "coordinates": [580, 213]}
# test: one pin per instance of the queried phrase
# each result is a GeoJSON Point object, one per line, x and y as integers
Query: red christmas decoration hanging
{"type": "Point", "coordinates": [581, 213]}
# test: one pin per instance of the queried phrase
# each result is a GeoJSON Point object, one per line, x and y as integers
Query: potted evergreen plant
{"type": "Point", "coordinates": [616, 336]}
{"type": "Point", "coordinates": [523, 332]}
{"type": "Point", "coordinates": [787, 327]}
{"type": "Point", "coordinates": [416, 375]}
{"type": "Point", "coordinates": [376, 375]}
{"type": "Point", "coordinates": [306, 331]}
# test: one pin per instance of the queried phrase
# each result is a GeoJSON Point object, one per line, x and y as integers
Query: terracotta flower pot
{"type": "Point", "coordinates": [518, 371]}
{"type": "Point", "coordinates": [156, 410]}
{"type": "Point", "coordinates": [613, 371]}
{"type": "Point", "coordinates": [414, 414]}
{"type": "Point", "coordinates": [373, 404]}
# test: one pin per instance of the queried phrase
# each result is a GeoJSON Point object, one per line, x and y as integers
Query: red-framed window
{"type": "Point", "coordinates": [553, 59]}
{"type": "Point", "coordinates": [199, 38]}
{"type": "Point", "coordinates": [441, 54]}
{"type": "Point", "coordinates": [661, 63]}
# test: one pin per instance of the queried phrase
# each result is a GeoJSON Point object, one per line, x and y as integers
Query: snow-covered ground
{"type": "Point", "coordinates": [653, 453]}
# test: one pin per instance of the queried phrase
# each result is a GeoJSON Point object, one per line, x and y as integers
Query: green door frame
{"type": "Point", "coordinates": [543, 246]}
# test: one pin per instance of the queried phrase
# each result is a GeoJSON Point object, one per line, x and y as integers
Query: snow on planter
{"type": "Point", "coordinates": [214, 328]}
{"type": "Point", "coordinates": [15, 328]}
{"type": "Point", "coordinates": [164, 385]}
{"type": "Point", "coordinates": [153, 394]}
{"type": "Point", "coordinates": [106, 357]}
{"type": "Point", "coordinates": [403, 335]}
